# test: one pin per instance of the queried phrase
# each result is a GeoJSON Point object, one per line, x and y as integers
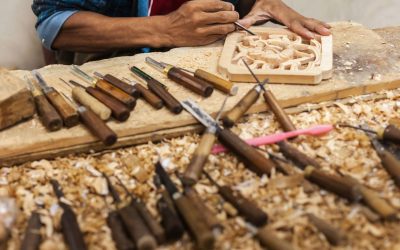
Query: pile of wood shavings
{"type": "Point", "coordinates": [282, 197]}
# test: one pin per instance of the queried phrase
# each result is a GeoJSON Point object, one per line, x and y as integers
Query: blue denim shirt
{"type": "Point", "coordinates": [52, 14]}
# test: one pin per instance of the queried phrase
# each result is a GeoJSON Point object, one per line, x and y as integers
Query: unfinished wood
{"type": "Point", "coordinates": [363, 63]}
{"type": "Point", "coordinates": [16, 102]}
{"type": "Point", "coordinates": [277, 54]}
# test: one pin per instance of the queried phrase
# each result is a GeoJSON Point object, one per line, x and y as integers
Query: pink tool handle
{"type": "Point", "coordinates": [270, 139]}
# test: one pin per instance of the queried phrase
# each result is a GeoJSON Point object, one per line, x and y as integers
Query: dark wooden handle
{"type": "Point", "coordinates": [48, 115]}
{"type": "Point", "coordinates": [268, 239]}
{"type": "Point", "coordinates": [197, 85]}
{"type": "Point", "coordinates": [32, 237]}
{"type": "Point", "coordinates": [194, 220]}
{"type": "Point", "coordinates": [248, 209]}
{"type": "Point", "coordinates": [151, 223]}
{"type": "Point", "coordinates": [137, 228]}
{"type": "Point", "coordinates": [299, 158]}
{"type": "Point", "coordinates": [335, 236]}
{"type": "Point", "coordinates": [85, 99]}
{"type": "Point", "coordinates": [280, 114]}
{"type": "Point", "coordinates": [67, 112]}
{"type": "Point", "coordinates": [119, 111]}
{"type": "Point", "coordinates": [151, 98]}
{"type": "Point", "coordinates": [253, 159]}
{"type": "Point", "coordinates": [391, 164]}
{"type": "Point", "coordinates": [127, 88]}
{"type": "Point", "coordinates": [170, 221]}
{"type": "Point", "coordinates": [118, 232]}
{"type": "Point", "coordinates": [118, 94]}
{"type": "Point", "coordinates": [193, 172]}
{"type": "Point", "coordinates": [390, 133]}
{"type": "Point", "coordinates": [377, 203]}
{"type": "Point", "coordinates": [172, 104]}
{"type": "Point", "coordinates": [241, 108]}
{"type": "Point", "coordinates": [97, 126]}
{"type": "Point", "coordinates": [219, 83]}
{"type": "Point", "coordinates": [70, 228]}
{"type": "Point", "coordinates": [333, 183]}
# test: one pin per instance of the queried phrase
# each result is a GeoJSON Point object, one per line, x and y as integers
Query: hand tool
{"type": "Point", "coordinates": [32, 237]}
{"type": "Point", "coordinates": [118, 232]}
{"type": "Point", "coordinates": [127, 88]}
{"type": "Point", "coordinates": [107, 88]}
{"type": "Point", "coordinates": [151, 223]}
{"type": "Point", "coordinates": [96, 125]}
{"type": "Point", "coordinates": [48, 115]}
{"type": "Point", "coordinates": [170, 221]}
{"type": "Point", "coordinates": [271, 139]}
{"type": "Point", "coordinates": [147, 95]}
{"type": "Point", "coordinates": [69, 223]}
{"type": "Point", "coordinates": [193, 218]}
{"type": "Point", "coordinates": [389, 133]}
{"type": "Point", "coordinates": [300, 159]}
{"type": "Point", "coordinates": [268, 238]}
{"type": "Point", "coordinates": [117, 109]}
{"type": "Point", "coordinates": [67, 112]}
{"type": "Point", "coordinates": [252, 159]}
{"type": "Point", "coordinates": [196, 85]}
{"type": "Point", "coordinates": [217, 82]}
{"type": "Point", "coordinates": [134, 223]}
{"type": "Point", "coordinates": [245, 29]}
{"type": "Point", "coordinates": [246, 208]}
{"type": "Point", "coordinates": [81, 96]}
{"type": "Point", "coordinates": [193, 172]}
{"type": "Point", "coordinates": [160, 90]}
{"type": "Point", "coordinates": [334, 236]}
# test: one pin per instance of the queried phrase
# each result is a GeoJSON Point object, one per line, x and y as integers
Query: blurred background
{"type": "Point", "coordinates": [20, 48]}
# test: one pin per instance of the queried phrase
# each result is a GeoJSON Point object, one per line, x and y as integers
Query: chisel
{"type": "Point", "coordinates": [389, 133]}
{"type": "Point", "coordinates": [32, 237]}
{"type": "Point", "coordinates": [147, 95]}
{"type": "Point", "coordinates": [67, 112]}
{"type": "Point", "coordinates": [118, 83]}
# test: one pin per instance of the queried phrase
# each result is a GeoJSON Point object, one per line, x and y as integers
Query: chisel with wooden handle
{"type": "Point", "coordinates": [121, 239]}
{"type": "Point", "coordinates": [300, 159]}
{"type": "Point", "coordinates": [389, 133]}
{"type": "Point", "coordinates": [127, 88]}
{"type": "Point", "coordinates": [48, 115]}
{"type": "Point", "coordinates": [271, 241]}
{"type": "Point", "coordinates": [32, 237]}
{"type": "Point", "coordinates": [335, 236]}
{"type": "Point", "coordinates": [147, 95]}
{"type": "Point", "coordinates": [67, 112]}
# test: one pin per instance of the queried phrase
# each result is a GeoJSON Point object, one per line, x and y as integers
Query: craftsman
{"type": "Point", "coordinates": [100, 29]}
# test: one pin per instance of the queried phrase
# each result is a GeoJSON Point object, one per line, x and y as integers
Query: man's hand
{"type": "Point", "coordinates": [265, 10]}
{"type": "Point", "coordinates": [198, 22]}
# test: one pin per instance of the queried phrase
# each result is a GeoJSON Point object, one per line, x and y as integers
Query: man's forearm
{"type": "Point", "coordinates": [92, 32]}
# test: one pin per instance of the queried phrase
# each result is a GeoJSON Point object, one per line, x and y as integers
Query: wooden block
{"type": "Point", "coordinates": [16, 102]}
{"type": "Point", "coordinates": [277, 54]}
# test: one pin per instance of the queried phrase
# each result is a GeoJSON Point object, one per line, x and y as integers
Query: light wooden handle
{"type": "Point", "coordinates": [280, 114]}
{"type": "Point", "coordinates": [391, 164]}
{"type": "Point", "coordinates": [118, 110]}
{"type": "Point", "coordinates": [151, 98]}
{"type": "Point", "coordinates": [97, 126]}
{"type": "Point", "coordinates": [118, 94]}
{"type": "Point", "coordinates": [67, 112]}
{"type": "Point", "coordinates": [90, 102]}
{"type": "Point", "coordinates": [127, 88]}
{"type": "Point", "coordinates": [188, 81]}
{"type": "Point", "coordinates": [151, 223]}
{"type": "Point", "coordinates": [199, 159]}
{"type": "Point", "coordinates": [48, 115]}
{"type": "Point", "coordinates": [299, 158]}
{"type": "Point", "coordinates": [241, 107]}
{"type": "Point", "coordinates": [252, 159]}
{"type": "Point", "coordinates": [170, 101]}
{"type": "Point", "coordinates": [378, 204]}
{"type": "Point", "coordinates": [219, 83]}
{"type": "Point", "coordinates": [332, 234]}
{"type": "Point", "coordinates": [268, 239]}
{"type": "Point", "coordinates": [118, 232]}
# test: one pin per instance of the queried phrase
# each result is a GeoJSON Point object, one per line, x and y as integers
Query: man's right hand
{"type": "Point", "coordinates": [198, 22]}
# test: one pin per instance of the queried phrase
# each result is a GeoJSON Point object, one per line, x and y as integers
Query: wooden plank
{"type": "Point", "coordinates": [16, 102]}
{"type": "Point", "coordinates": [359, 55]}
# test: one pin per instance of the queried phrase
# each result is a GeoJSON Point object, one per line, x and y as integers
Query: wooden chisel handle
{"type": "Point", "coordinates": [268, 239]}
{"type": "Point", "coordinates": [280, 114]}
{"type": "Point", "coordinates": [80, 96]}
{"type": "Point", "coordinates": [121, 239]}
{"type": "Point", "coordinates": [169, 219]}
{"type": "Point", "coordinates": [66, 111]}
{"type": "Point", "coordinates": [127, 88]}
{"type": "Point", "coordinates": [377, 203]}
{"type": "Point", "coordinates": [118, 110]}
{"type": "Point", "coordinates": [241, 107]}
{"type": "Point", "coordinates": [151, 223]}
{"type": "Point", "coordinates": [194, 220]}
{"type": "Point", "coordinates": [70, 228]}
{"type": "Point", "coordinates": [151, 98]}
{"type": "Point", "coordinates": [218, 83]}
{"type": "Point", "coordinates": [335, 236]}
{"type": "Point", "coordinates": [253, 159]}
{"type": "Point", "coordinates": [390, 133]}
{"type": "Point", "coordinates": [195, 84]}
{"type": "Point", "coordinates": [172, 104]}
{"type": "Point", "coordinates": [193, 172]}
{"type": "Point", "coordinates": [48, 114]}
{"type": "Point", "coordinates": [391, 165]}
{"type": "Point", "coordinates": [299, 158]}
{"type": "Point", "coordinates": [333, 183]}
{"type": "Point", "coordinates": [32, 237]}
{"type": "Point", "coordinates": [118, 94]}
{"type": "Point", "coordinates": [97, 126]}
{"type": "Point", "coordinates": [137, 229]}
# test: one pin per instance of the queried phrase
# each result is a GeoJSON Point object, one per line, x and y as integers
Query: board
{"type": "Point", "coordinates": [363, 63]}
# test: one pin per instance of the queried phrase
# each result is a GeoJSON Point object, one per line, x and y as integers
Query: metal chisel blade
{"type": "Point", "coordinates": [43, 85]}
{"type": "Point", "coordinates": [83, 74]}
{"type": "Point", "coordinates": [199, 113]}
